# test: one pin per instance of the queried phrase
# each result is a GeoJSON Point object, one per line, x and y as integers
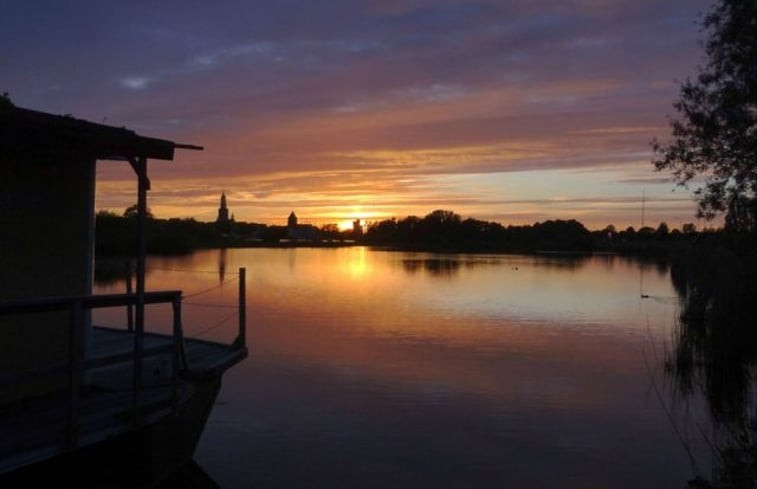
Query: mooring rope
{"type": "Point", "coordinates": [216, 325]}
{"type": "Point", "coordinates": [205, 291]}
{"type": "Point", "coordinates": [208, 304]}
{"type": "Point", "coordinates": [186, 270]}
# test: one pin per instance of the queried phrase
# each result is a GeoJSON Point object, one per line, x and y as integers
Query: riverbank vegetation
{"type": "Point", "coordinates": [715, 351]}
{"type": "Point", "coordinates": [714, 145]}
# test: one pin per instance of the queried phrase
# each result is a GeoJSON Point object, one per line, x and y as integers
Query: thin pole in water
{"type": "Point", "coordinates": [242, 338]}
{"type": "Point", "coordinates": [643, 202]}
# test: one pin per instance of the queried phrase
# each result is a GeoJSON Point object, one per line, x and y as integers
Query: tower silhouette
{"type": "Point", "coordinates": [223, 211]}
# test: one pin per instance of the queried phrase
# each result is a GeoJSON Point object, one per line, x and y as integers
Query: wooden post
{"type": "Point", "coordinates": [129, 307]}
{"type": "Point", "coordinates": [177, 353]}
{"type": "Point", "coordinates": [142, 186]}
{"type": "Point", "coordinates": [242, 338]}
{"type": "Point", "coordinates": [76, 371]}
{"type": "Point", "coordinates": [179, 338]}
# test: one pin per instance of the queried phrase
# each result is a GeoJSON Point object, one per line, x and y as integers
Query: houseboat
{"type": "Point", "coordinates": [89, 405]}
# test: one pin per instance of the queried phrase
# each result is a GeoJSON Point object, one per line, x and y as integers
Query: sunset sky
{"type": "Point", "coordinates": [509, 110]}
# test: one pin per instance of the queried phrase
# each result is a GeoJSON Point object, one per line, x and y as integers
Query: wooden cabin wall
{"type": "Point", "coordinates": [46, 249]}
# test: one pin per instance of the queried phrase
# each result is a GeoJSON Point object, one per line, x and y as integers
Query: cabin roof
{"type": "Point", "coordinates": [34, 133]}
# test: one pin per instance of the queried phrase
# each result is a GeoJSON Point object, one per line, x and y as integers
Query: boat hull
{"type": "Point", "coordinates": [140, 458]}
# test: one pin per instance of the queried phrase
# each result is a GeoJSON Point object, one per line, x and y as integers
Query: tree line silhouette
{"type": "Point", "coordinates": [440, 230]}
{"type": "Point", "coordinates": [444, 230]}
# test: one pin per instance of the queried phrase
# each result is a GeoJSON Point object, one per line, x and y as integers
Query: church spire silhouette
{"type": "Point", "coordinates": [223, 211]}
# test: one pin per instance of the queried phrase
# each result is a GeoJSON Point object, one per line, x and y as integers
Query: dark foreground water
{"type": "Point", "coordinates": [374, 369]}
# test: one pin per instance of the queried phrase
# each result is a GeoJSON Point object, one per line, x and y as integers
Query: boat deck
{"type": "Point", "coordinates": [35, 429]}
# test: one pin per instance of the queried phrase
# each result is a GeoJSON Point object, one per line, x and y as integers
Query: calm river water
{"type": "Point", "coordinates": [376, 369]}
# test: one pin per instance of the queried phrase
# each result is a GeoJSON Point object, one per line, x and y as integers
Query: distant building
{"type": "Point", "coordinates": [301, 232]}
{"type": "Point", "coordinates": [357, 228]}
